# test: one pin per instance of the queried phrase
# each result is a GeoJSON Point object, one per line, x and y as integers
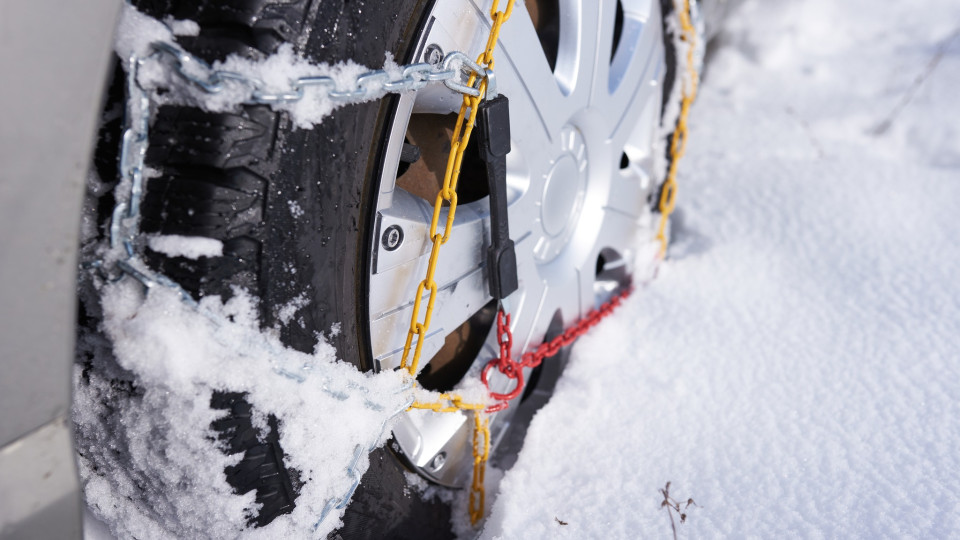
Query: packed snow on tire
{"type": "Point", "coordinates": [151, 464]}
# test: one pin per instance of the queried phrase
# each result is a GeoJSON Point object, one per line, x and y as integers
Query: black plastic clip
{"type": "Point", "coordinates": [493, 123]}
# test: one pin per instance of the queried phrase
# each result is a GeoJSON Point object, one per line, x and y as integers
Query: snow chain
{"type": "Point", "coordinates": [678, 143]}
{"type": "Point", "coordinates": [458, 145]}
{"type": "Point", "coordinates": [125, 220]}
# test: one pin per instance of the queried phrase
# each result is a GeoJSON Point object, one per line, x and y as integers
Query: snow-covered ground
{"type": "Point", "coordinates": [795, 368]}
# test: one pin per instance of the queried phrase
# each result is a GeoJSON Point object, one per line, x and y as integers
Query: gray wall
{"type": "Point", "coordinates": [54, 57]}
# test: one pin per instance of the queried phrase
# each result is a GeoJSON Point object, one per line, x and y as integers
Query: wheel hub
{"type": "Point", "coordinates": [563, 193]}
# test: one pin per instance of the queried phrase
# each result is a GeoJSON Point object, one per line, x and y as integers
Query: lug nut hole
{"type": "Point", "coordinates": [392, 237]}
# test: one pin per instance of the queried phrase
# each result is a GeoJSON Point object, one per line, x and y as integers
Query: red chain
{"type": "Point", "coordinates": [514, 370]}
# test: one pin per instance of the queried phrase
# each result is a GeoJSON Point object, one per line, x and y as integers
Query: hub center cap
{"type": "Point", "coordinates": [563, 193]}
{"type": "Point", "coordinates": [560, 195]}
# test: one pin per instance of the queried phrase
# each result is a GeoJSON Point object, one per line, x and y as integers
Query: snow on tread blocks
{"type": "Point", "coordinates": [214, 275]}
{"type": "Point", "coordinates": [261, 468]}
{"type": "Point", "coordinates": [215, 169]}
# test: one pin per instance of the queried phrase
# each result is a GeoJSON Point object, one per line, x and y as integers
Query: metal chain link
{"type": "Point", "coordinates": [125, 219]}
{"type": "Point", "coordinates": [481, 451]}
{"type": "Point", "coordinates": [353, 470]}
{"type": "Point", "coordinates": [678, 143]}
{"type": "Point", "coordinates": [466, 119]}
{"type": "Point", "coordinates": [447, 403]}
{"type": "Point", "coordinates": [513, 369]}
{"type": "Point", "coordinates": [452, 70]}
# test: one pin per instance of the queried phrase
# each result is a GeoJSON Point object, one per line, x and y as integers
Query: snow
{"type": "Point", "coordinates": [182, 27]}
{"type": "Point", "coordinates": [793, 368]}
{"type": "Point", "coordinates": [295, 209]}
{"type": "Point", "coordinates": [286, 313]}
{"type": "Point", "coordinates": [148, 455]}
{"type": "Point", "coordinates": [136, 31]}
{"type": "Point", "coordinates": [191, 247]}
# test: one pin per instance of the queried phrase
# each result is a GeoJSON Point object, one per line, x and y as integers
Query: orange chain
{"type": "Point", "coordinates": [481, 450]}
{"type": "Point", "coordinates": [458, 145]}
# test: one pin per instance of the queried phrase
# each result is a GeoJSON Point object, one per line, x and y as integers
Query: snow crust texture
{"type": "Point", "coordinates": [795, 368]}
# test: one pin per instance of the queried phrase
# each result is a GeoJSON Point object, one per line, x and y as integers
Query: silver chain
{"type": "Point", "coordinates": [452, 70]}
{"type": "Point", "coordinates": [353, 470]}
{"type": "Point", "coordinates": [125, 232]}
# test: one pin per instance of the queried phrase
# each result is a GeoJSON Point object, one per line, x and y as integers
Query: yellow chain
{"type": "Point", "coordinates": [678, 144]}
{"type": "Point", "coordinates": [448, 403]}
{"type": "Point", "coordinates": [458, 144]}
{"type": "Point", "coordinates": [481, 450]}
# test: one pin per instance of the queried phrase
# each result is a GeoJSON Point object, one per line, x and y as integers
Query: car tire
{"type": "Point", "coordinates": [232, 177]}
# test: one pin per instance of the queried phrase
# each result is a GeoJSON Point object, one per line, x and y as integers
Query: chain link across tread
{"type": "Point", "coordinates": [215, 169]}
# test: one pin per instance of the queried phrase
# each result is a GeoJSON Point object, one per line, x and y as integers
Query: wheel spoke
{"type": "Point", "coordinates": [602, 42]}
{"type": "Point", "coordinates": [628, 191]}
{"type": "Point", "coordinates": [529, 313]}
{"type": "Point", "coordinates": [623, 89]}
{"type": "Point", "coordinates": [524, 74]}
{"type": "Point", "coordinates": [577, 57]}
{"type": "Point", "coordinates": [460, 279]}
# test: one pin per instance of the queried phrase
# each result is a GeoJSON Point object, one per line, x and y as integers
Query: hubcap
{"type": "Point", "coordinates": [579, 176]}
{"type": "Point", "coordinates": [563, 191]}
